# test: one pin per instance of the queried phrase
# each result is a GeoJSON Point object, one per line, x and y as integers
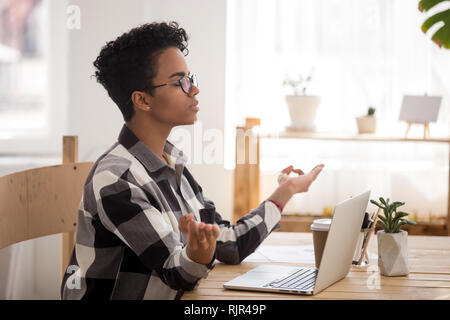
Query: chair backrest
{"type": "Point", "coordinates": [44, 201]}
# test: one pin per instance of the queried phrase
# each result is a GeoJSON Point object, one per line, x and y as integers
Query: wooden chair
{"type": "Point", "coordinates": [44, 201]}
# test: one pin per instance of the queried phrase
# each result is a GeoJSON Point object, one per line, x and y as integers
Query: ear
{"type": "Point", "coordinates": [141, 100]}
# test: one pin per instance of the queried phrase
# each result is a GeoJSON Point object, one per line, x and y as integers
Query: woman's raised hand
{"type": "Point", "coordinates": [302, 182]}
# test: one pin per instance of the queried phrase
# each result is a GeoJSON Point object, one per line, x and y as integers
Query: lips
{"type": "Point", "coordinates": [194, 106]}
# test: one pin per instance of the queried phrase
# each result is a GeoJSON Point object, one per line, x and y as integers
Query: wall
{"type": "Point", "coordinates": [97, 121]}
{"type": "Point", "coordinates": [205, 22]}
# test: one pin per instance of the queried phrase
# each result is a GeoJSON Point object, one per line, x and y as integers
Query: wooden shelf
{"type": "Point", "coordinates": [247, 174]}
{"type": "Point", "coordinates": [345, 136]}
{"type": "Point", "coordinates": [295, 223]}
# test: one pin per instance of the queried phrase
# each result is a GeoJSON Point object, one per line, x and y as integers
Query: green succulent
{"type": "Point", "coordinates": [371, 111]}
{"type": "Point", "coordinates": [442, 36]}
{"type": "Point", "coordinates": [392, 220]}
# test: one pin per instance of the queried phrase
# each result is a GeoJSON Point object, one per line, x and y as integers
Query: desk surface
{"type": "Point", "coordinates": [429, 277]}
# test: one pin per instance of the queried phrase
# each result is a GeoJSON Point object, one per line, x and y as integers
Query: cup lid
{"type": "Point", "coordinates": [321, 225]}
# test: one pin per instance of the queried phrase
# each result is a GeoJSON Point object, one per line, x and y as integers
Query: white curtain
{"type": "Point", "coordinates": [362, 53]}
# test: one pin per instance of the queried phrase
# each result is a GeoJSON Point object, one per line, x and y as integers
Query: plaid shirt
{"type": "Point", "coordinates": [128, 245]}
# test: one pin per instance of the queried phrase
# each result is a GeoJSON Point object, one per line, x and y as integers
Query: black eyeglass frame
{"type": "Point", "coordinates": [192, 81]}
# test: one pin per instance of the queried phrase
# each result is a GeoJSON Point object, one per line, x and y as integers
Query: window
{"type": "Point", "coordinates": [33, 76]}
{"type": "Point", "coordinates": [362, 53]}
{"type": "Point", "coordinates": [23, 74]}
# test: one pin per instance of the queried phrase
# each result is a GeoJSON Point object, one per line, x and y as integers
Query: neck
{"type": "Point", "coordinates": [153, 134]}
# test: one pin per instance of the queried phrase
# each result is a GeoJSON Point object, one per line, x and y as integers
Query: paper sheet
{"type": "Point", "coordinates": [289, 254]}
{"type": "Point", "coordinates": [293, 254]}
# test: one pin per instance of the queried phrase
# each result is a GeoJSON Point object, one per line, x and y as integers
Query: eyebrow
{"type": "Point", "coordinates": [181, 74]}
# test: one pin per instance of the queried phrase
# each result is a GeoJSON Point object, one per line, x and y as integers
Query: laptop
{"type": "Point", "coordinates": [336, 260]}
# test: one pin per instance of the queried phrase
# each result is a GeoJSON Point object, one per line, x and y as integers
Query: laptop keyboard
{"type": "Point", "coordinates": [303, 279]}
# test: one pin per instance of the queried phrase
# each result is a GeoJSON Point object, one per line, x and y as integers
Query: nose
{"type": "Point", "coordinates": [195, 90]}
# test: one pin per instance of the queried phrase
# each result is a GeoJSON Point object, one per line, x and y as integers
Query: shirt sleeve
{"type": "Point", "coordinates": [236, 242]}
{"type": "Point", "coordinates": [125, 210]}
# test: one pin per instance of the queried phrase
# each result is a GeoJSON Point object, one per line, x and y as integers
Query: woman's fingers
{"type": "Point", "coordinates": [284, 175]}
{"type": "Point", "coordinates": [182, 224]}
{"type": "Point", "coordinates": [184, 221]}
{"type": "Point", "coordinates": [215, 231]}
{"type": "Point", "coordinates": [288, 169]}
{"type": "Point", "coordinates": [212, 234]}
{"type": "Point", "coordinates": [302, 183]}
{"type": "Point", "coordinates": [193, 234]}
{"type": "Point", "coordinates": [315, 171]}
{"type": "Point", "coordinates": [201, 235]}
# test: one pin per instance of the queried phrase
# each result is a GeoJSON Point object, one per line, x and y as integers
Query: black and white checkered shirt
{"type": "Point", "coordinates": [128, 244]}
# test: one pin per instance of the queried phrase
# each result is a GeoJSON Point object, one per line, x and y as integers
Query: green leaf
{"type": "Point", "coordinates": [397, 204]}
{"type": "Point", "coordinates": [442, 36]}
{"type": "Point", "coordinates": [388, 214]}
{"type": "Point", "coordinates": [393, 206]}
{"type": "Point", "coordinates": [377, 204]}
{"type": "Point", "coordinates": [382, 201]}
{"type": "Point", "coordinates": [382, 219]}
{"type": "Point", "coordinates": [399, 215]}
{"type": "Point", "coordinates": [410, 222]}
{"type": "Point", "coordinates": [394, 226]}
{"type": "Point", "coordinates": [425, 5]}
{"type": "Point", "coordinates": [401, 223]}
{"type": "Point", "coordinates": [382, 225]}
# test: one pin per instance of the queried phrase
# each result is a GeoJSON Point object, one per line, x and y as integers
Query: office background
{"type": "Point", "coordinates": [361, 56]}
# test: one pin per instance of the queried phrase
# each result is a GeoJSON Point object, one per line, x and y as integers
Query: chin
{"type": "Point", "coordinates": [188, 122]}
{"type": "Point", "coordinates": [194, 120]}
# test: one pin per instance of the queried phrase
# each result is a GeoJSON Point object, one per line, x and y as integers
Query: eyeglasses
{"type": "Point", "coordinates": [185, 83]}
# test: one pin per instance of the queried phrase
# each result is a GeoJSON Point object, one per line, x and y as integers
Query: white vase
{"type": "Point", "coordinates": [302, 111]}
{"type": "Point", "coordinates": [366, 124]}
{"type": "Point", "coordinates": [393, 253]}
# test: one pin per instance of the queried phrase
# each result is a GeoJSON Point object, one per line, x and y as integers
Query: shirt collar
{"type": "Point", "coordinates": [146, 156]}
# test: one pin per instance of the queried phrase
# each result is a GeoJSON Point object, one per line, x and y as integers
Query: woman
{"type": "Point", "coordinates": [145, 230]}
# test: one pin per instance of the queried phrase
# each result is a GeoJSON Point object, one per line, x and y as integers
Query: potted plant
{"type": "Point", "coordinates": [392, 241]}
{"type": "Point", "coordinates": [367, 123]}
{"type": "Point", "coordinates": [302, 107]}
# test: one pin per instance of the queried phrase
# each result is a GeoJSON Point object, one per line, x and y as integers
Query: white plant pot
{"type": "Point", "coordinates": [366, 124]}
{"type": "Point", "coordinates": [302, 110]}
{"type": "Point", "coordinates": [393, 253]}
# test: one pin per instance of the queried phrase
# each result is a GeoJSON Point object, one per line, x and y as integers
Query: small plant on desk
{"type": "Point", "coordinates": [392, 241]}
{"type": "Point", "coordinates": [392, 220]}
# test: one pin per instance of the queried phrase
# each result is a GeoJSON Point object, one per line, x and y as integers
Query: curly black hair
{"type": "Point", "coordinates": [129, 63]}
